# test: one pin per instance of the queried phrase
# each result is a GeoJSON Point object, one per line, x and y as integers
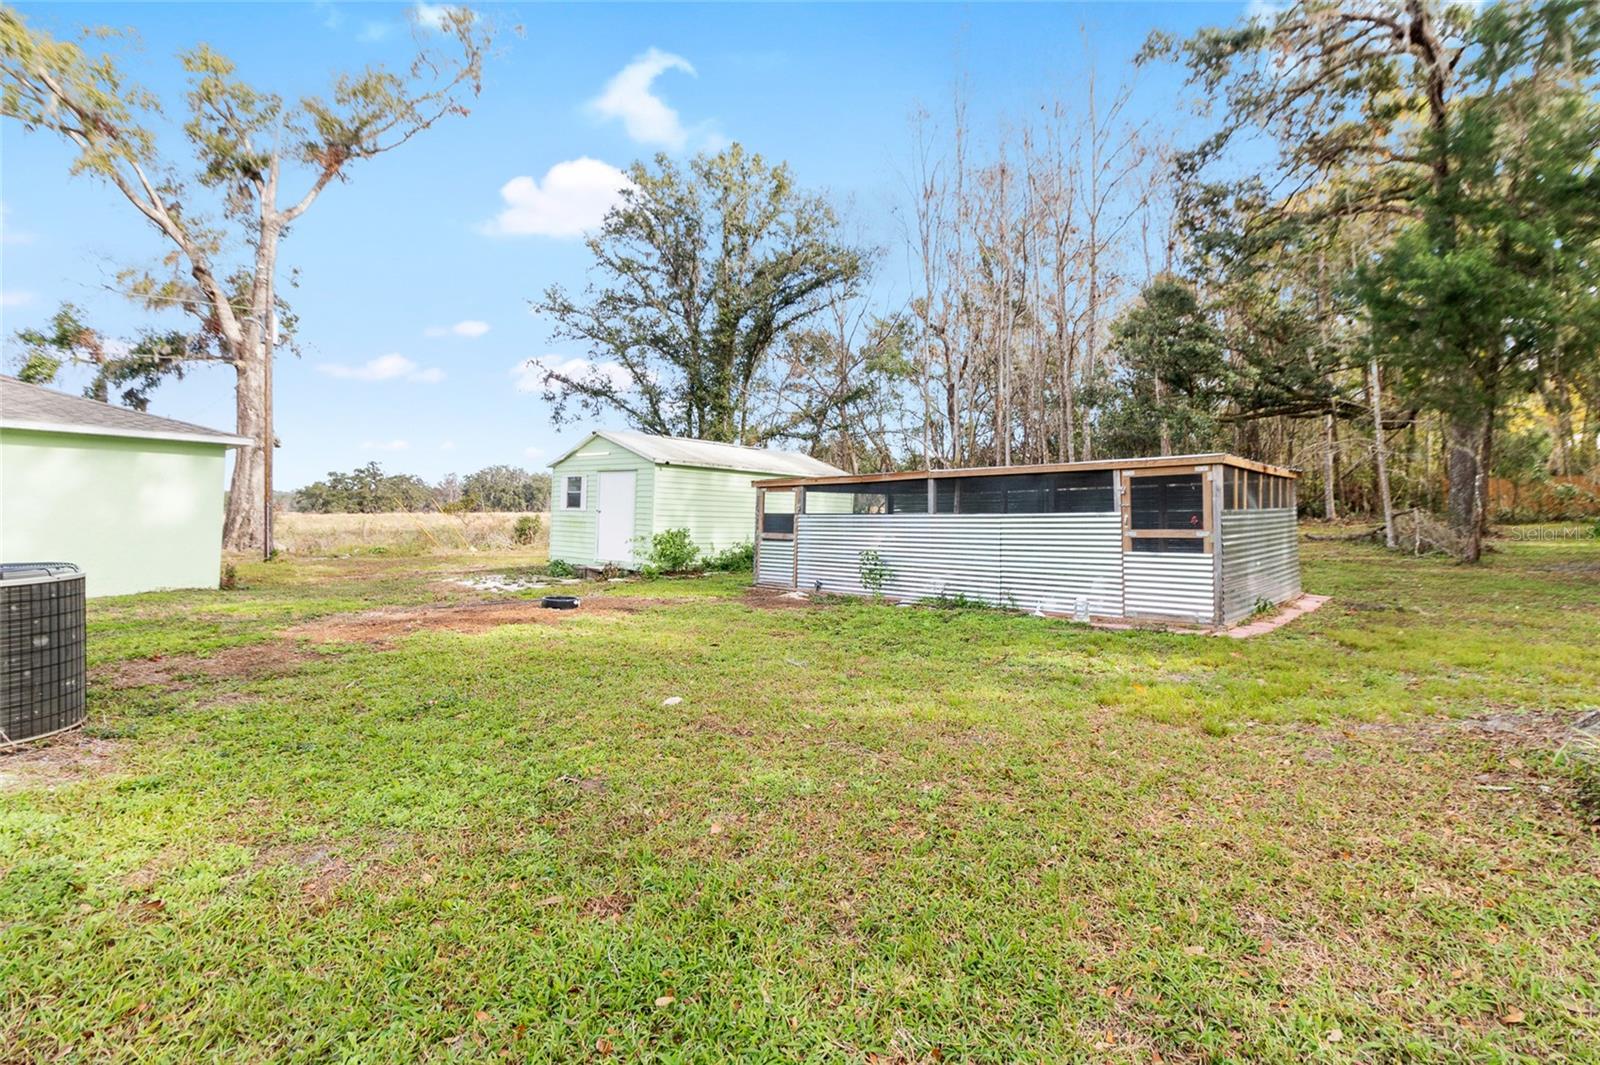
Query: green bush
{"type": "Point", "coordinates": [557, 568]}
{"type": "Point", "coordinates": [525, 530]}
{"type": "Point", "coordinates": [875, 572]}
{"type": "Point", "coordinates": [736, 559]}
{"type": "Point", "coordinates": [672, 551]}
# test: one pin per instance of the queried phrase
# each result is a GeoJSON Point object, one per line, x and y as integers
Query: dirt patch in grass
{"type": "Point", "coordinates": [64, 759]}
{"type": "Point", "coordinates": [380, 626]}
{"type": "Point", "coordinates": [607, 906]}
{"type": "Point", "coordinates": [252, 662]}
{"type": "Point", "coordinates": [777, 599]}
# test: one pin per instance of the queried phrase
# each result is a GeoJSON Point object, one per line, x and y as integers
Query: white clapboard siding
{"type": "Point", "coordinates": [1260, 559]}
{"type": "Point", "coordinates": [776, 563]}
{"type": "Point", "coordinates": [1022, 560]}
{"type": "Point", "coordinates": [1170, 586]}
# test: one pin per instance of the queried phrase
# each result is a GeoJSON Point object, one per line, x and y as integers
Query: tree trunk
{"type": "Point", "coordinates": [1330, 468]}
{"type": "Point", "coordinates": [242, 529]}
{"type": "Point", "coordinates": [1463, 438]}
{"type": "Point", "coordinates": [1381, 454]}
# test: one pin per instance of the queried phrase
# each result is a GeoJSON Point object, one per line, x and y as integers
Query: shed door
{"type": "Point", "coordinates": [613, 529]}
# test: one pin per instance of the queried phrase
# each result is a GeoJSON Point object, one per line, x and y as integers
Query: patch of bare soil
{"type": "Point", "coordinates": [777, 599]}
{"type": "Point", "coordinates": [64, 759]}
{"type": "Point", "coordinates": [380, 626]}
{"type": "Point", "coordinates": [252, 662]}
{"type": "Point", "coordinates": [610, 906]}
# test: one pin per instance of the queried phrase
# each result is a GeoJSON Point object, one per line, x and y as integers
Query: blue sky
{"type": "Point", "coordinates": [414, 287]}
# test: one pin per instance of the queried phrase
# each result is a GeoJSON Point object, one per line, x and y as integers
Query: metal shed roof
{"type": "Point", "coordinates": [683, 451]}
{"type": "Point", "coordinates": [1153, 461]}
{"type": "Point", "coordinates": [25, 406]}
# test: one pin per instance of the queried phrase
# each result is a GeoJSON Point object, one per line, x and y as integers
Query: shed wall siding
{"type": "Point", "coordinates": [1260, 559]}
{"type": "Point", "coordinates": [1022, 560]}
{"type": "Point", "coordinates": [776, 564]}
{"type": "Point", "coordinates": [135, 515]}
{"type": "Point", "coordinates": [1169, 586]}
{"type": "Point", "coordinates": [718, 507]}
{"type": "Point", "coordinates": [572, 531]}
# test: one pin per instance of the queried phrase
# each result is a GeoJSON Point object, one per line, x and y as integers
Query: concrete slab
{"type": "Point", "coordinates": [1281, 617]}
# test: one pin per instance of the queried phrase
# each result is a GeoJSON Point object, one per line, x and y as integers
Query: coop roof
{"type": "Point", "coordinates": [708, 454]}
{"type": "Point", "coordinates": [1149, 462]}
{"type": "Point", "coordinates": [25, 406]}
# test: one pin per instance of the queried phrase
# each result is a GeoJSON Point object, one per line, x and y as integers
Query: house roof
{"type": "Point", "coordinates": [25, 406]}
{"type": "Point", "coordinates": [1163, 462]}
{"type": "Point", "coordinates": [708, 454]}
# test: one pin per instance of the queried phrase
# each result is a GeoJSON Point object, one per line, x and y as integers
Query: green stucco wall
{"type": "Point", "coordinates": [572, 531]}
{"type": "Point", "coordinates": [136, 515]}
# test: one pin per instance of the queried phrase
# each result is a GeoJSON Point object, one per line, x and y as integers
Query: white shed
{"type": "Point", "coordinates": [616, 489]}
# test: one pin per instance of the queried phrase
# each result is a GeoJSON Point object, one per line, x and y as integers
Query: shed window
{"type": "Point", "coordinates": [1174, 501]}
{"type": "Point", "coordinates": [1168, 545]}
{"type": "Point", "coordinates": [777, 524]}
{"type": "Point", "coordinates": [572, 493]}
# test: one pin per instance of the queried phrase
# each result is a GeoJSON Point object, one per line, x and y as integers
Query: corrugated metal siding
{"type": "Point", "coordinates": [776, 564]}
{"type": "Point", "coordinates": [1171, 586]}
{"type": "Point", "coordinates": [1260, 559]}
{"type": "Point", "coordinates": [1025, 560]}
{"type": "Point", "coordinates": [572, 531]}
{"type": "Point", "coordinates": [718, 507]}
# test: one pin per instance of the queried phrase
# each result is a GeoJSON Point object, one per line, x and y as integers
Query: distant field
{"type": "Point", "coordinates": [344, 534]}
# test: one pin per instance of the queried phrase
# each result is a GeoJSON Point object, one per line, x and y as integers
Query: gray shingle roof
{"type": "Point", "coordinates": [25, 406]}
{"type": "Point", "coordinates": [682, 451]}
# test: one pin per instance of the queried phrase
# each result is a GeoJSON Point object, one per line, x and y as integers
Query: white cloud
{"type": "Point", "coordinates": [432, 16]}
{"type": "Point", "coordinates": [534, 452]}
{"type": "Point", "coordinates": [448, 445]}
{"type": "Point", "coordinates": [529, 374]}
{"type": "Point", "coordinates": [630, 96]}
{"type": "Point", "coordinates": [372, 32]}
{"type": "Point", "coordinates": [385, 445]}
{"type": "Point", "coordinates": [390, 367]}
{"type": "Point", "coordinates": [12, 297]}
{"type": "Point", "coordinates": [574, 197]}
{"type": "Point", "coordinates": [472, 329]}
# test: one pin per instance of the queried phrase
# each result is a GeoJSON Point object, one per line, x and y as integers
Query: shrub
{"type": "Point", "coordinates": [1580, 758]}
{"type": "Point", "coordinates": [875, 572]}
{"type": "Point", "coordinates": [735, 559]}
{"type": "Point", "coordinates": [557, 568]}
{"type": "Point", "coordinates": [525, 530]}
{"type": "Point", "coordinates": [230, 577]}
{"type": "Point", "coordinates": [672, 551]}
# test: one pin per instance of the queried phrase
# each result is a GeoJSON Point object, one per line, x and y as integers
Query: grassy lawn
{"type": "Point", "coordinates": [865, 833]}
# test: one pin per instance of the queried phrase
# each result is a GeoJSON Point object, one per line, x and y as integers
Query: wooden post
{"type": "Point", "coordinates": [761, 524]}
{"type": "Point", "coordinates": [794, 539]}
{"type": "Point", "coordinates": [1214, 522]}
